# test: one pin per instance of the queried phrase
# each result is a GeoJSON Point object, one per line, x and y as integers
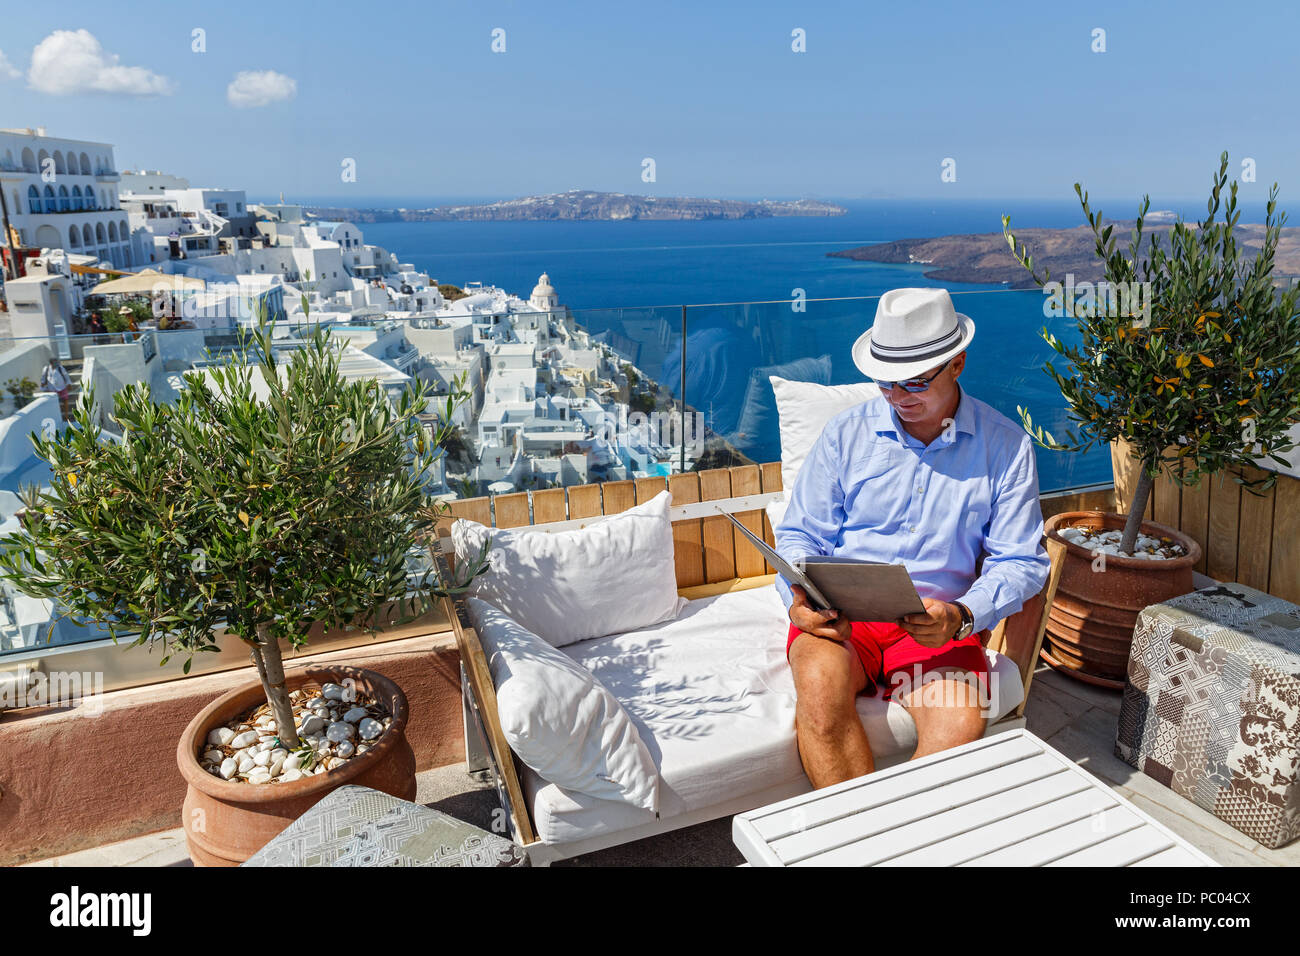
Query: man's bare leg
{"type": "Point", "coordinates": [947, 710]}
{"type": "Point", "coordinates": [832, 742]}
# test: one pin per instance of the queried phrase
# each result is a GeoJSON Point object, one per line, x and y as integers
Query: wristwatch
{"type": "Point", "coordinates": [967, 622]}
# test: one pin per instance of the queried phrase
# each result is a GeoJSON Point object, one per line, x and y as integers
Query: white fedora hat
{"type": "Point", "coordinates": [915, 330]}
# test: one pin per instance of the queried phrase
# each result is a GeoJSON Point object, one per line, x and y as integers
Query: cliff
{"type": "Point", "coordinates": [581, 204]}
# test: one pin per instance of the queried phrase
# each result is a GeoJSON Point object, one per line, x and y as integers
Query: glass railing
{"type": "Point", "coordinates": [731, 349]}
{"type": "Point", "coordinates": [558, 399]}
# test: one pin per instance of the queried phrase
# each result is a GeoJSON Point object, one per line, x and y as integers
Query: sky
{"type": "Point", "coordinates": [1009, 99]}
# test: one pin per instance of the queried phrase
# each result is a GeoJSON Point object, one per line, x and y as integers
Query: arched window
{"type": "Point", "coordinates": [74, 238]}
{"type": "Point", "coordinates": [29, 161]}
{"type": "Point", "coordinates": [85, 165]}
{"type": "Point", "coordinates": [65, 204]}
{"type": "Point", "coordinates": [58, 163]}
{"type": "Point", "coordinates": [112, 232]}
{"type": "Point", "coordinates": [33, 200]}
{"type": "Point", "coordinates": [103, 199]}
{"type": "Point", "coordinates": [51, 204]}
{"type": "Point", "coordinates": [123, 230]}
{"type": "Point", "coordinates": [41, 157]}
{"type": "Point", "coordinates": [99, 233]}
{"type": "Point", "coordinates": [87, 236]}
{"type": "Point", "coordinates": [78, 203]}
{"type": "Point", "coordinates": [90, 199]}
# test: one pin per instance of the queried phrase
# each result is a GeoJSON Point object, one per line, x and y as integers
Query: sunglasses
{"type": "Point", "coordinates": [914, 384]}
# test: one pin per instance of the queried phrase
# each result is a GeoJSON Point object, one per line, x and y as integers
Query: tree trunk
{"type": "Point", "coordinates": [270, 668]}
{"type": "Point", "coordinates": [1135, 510]}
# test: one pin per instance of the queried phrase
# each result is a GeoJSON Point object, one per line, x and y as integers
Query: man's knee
{"type": "Point", "coordinates": [948, 708]}
{"type": "Point", "coordinates": [824, 685]}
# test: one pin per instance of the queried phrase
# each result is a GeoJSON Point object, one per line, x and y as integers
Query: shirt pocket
{"type": "Point", "coordinates": [873, 464]}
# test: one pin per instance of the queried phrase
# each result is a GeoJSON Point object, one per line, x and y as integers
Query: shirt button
{"type": "Point", "coordinates": [912, 530]}
{"type": "Point", "coordinates": [920, 490]}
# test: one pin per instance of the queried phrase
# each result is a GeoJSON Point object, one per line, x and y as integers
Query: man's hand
{"type": "Point", "coordinates": [936, 626]}
{"type": "Point", "coordinates": [831, 624]}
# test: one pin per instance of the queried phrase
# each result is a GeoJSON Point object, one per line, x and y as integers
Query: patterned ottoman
{"type": "Point", "coordinates": [1212, 706]}
{"type": "Point", "coordinates": [357, 826]}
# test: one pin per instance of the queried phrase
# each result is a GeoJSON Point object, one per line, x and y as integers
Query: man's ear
{"type": "Point", "coordinates": [958, 363]}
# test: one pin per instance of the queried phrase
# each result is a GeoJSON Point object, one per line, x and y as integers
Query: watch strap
{"type": "Point", "coordinates": [967, 625]}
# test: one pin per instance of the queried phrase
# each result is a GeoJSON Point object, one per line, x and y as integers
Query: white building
{"type": "Point", "coordinates": [63, 194]}
{"type": "Point", "coordinates": [172, 220]}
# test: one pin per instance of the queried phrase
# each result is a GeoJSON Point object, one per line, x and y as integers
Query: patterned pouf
{"type": "Point", "coordinates": [1212, 706]}
{"type": "Point", "coordinates": [357, 826]}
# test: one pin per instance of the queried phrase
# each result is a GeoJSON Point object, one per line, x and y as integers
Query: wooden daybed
{"type": "Point", "coordinates": [712, 559]}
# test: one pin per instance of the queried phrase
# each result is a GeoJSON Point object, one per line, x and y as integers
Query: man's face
{"type": "Point", "coordinates": [935, 401]}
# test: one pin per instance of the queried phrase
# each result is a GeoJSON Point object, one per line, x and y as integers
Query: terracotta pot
{"type": "Point", "coordinates": [226, 822]}
{"type": "Point", "coordinates": [1090, 626]}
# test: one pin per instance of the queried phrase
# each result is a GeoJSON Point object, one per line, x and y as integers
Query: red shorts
{"type": "Point", "coordinates": [892, 658]}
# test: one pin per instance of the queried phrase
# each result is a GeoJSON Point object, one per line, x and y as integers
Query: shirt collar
{"type": "Point", "coordinates": [884, 420]}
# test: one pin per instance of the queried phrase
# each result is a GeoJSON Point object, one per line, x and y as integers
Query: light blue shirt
{"type": "Point", "coordinates": [870, 490]}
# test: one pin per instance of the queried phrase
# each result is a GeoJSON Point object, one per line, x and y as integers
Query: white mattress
{"type": "Point", "coordinates": [713, 697]}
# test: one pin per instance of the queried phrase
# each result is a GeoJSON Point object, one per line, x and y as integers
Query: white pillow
{"type": "Point", "coordinates": [804, 408]}
{"type": "Point", "coordinates": [776, 509]}
{"type": "Point", "coordinates": [615, 575]}
{"type": "Point", "coordinates": [561, 720]}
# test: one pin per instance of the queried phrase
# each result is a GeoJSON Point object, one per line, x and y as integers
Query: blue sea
{"type": "Point", "coordinates": [629, 280]}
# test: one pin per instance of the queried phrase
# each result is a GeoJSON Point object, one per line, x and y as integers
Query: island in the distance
{"type": "Point", "coordinates": [986, 257]}
{"type": "Point", "coordinates": [585, 204]}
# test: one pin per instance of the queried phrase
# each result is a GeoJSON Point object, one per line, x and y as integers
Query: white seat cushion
{"type": "Point", "coordinates": [713, 698]}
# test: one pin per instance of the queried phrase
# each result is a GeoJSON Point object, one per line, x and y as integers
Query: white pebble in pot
{"type": "Point", "coordinates": [220, 736]}
{"type": "Point", "coordinates": [312, 725]}
{"type": "Point", "coordinates": [370, 728]}
{"type": "Point", "coordinates": [340, 731]}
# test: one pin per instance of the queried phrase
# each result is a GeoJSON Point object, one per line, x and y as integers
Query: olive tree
{"type": "Point", "coordinates": [1205, 380]}
{"type": "Point", "coordinates": [273, 494]}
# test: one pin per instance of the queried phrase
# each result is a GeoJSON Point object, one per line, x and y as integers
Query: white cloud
{"type": "Point", "coordinates": [260, 88]}
{"type": "Point", "coordinates": [72, 61]}
{"type": "Point", "coordinates": [7, 70]}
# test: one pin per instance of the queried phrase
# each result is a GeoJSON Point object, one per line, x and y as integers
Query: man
{"type": "Point", "coordinates": [55, 378]}
{"type": "Point", "coordinates": [929, 477]}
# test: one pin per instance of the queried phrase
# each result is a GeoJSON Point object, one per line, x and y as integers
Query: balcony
{"type": "Point", "coordinates": [732, 350]}
{"type": "Point", "coordinates": [1078, 720]}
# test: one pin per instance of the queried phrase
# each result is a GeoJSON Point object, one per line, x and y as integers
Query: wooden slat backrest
{"type": "Point", "coordinates": [512, 510]}
{"type": "Point", "coordinates": [747, 480]}
{"type": "Point", "coordinates": [719, 535]}
{"type": "Point", "coordinates": [688, 535]}
{"type": "Point", "coordinates": [548, 505]}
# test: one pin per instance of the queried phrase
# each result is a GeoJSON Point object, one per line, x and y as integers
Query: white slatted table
{"type": "Point", "coordinates": [1008, 800]}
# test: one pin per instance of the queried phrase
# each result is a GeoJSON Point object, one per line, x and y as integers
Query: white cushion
{"type": "Point", "coordinates": [776, 509]}
{"type": "Point", "coordinates": [713, 697]}
{"type": "Point", "coordinates": [804, 408]}
{"type": "Point", "coordinates": [614, 575]}
{"type": "Point", "coordinates": [561, 720]}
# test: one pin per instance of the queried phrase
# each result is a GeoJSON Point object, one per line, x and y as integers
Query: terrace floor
{"type": "Point", "coordinates": [1077, 719]}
